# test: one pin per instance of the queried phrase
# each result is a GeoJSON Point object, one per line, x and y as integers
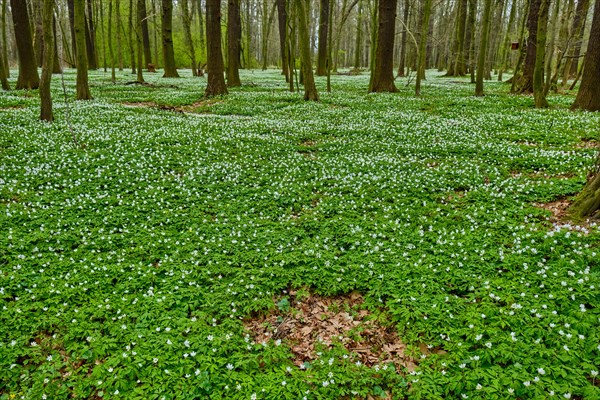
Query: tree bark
{"type": "Point", "coordinates": [234, 42]}
{"type": "Point", "coordinates": [142, 15]}
{"type": "Point", "coordinates": [216, 82]}
{"type": "Point", "coordinates": [588, 97]}
{"type": "Point", "coordinates": [90, 38]}
{"type": "Point", "coordinates": [4, 39]}
{"type": "Point", "coordinates": [48, 61]}
{"type": "Point", "coordinates": [587, 203]}
{"type": "Point", "coordinates": [403, 38]}
{"type": "Point", "coordinates": [358, 43]}
{"type": "Point", "coordinates": [383, 71]}
{"type": "Point", "coordinates": [577, 37]}
{"type": "Point", "coordinates": [310, 89]}
{"type": "Point", "coordinates": [540, 56]}
{"type": "Point", "coordinates": [187, 31]}
{"type": "Point", "coordinates": [323, 31]}
{"type": "Point", "coordinates": [525, 85]}
{"type": "Point", "coordinates": [422, 46]}
{"type": "Point", "coordinates": [282, 22]}
{"type": "Point", "coordinates": [483, 44]}
{"type": "Point", "coordinates": [113, 77]}
{"type": "Point", "coordinates": [83, 90]}
{"type": "Point", "coordinates": [28, 74]}
{"type": "Point", "coordinates": [130, 38]}
{"type": "Point", "coordinates": [167, 40]}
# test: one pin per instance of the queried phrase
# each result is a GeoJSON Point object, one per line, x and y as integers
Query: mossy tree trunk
{"type": "Point", "coordinates": [587, 203]}
{"type": "Point", "coordinates": [540, 56]}
{"type": "Point", "coordinates": [383, 69]}
{"type": "Point", "coordinates": [588, 97]}
{"type": "Point", "coordinates": [48, 61]}
{"type": "Point", "coordinates": [483, 45]}
{"type": "Point", "coordinates": [310, 89]}
{"type": "Point", "coordinates": [28, 74]}
{"type": "Point", "coordinates": [83, 89]}
{"type": "Point", "coordinates": [323, 32]}
{"type": "Point", "coordinates": [216, 81]}
{"type": "Point", "coordinates": [167, 40]}
{"type": "Point", "coordinates": [234, 42]}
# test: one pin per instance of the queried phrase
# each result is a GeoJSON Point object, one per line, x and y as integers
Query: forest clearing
{"type": "Point", "coordinates": [158, 244]}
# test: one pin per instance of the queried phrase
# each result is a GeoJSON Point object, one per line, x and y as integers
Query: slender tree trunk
{"type": "Point", "coordinates": [505, 44]}
{"type": "Point", "coordinates": [56, 64]}
{"type": "Point", "coordinates": [459, 61]}
{"type": "Point", "coordinates": [4, 55]}
{"type": "Point", "coordinates": [522, 52]}
{"type": "Point", "coordinates": [119, 39]}
{"type": "Point", "coordinates": [588, 97]}
{"type": "Point", "coordinates": [131, 31]}
{"type": "Point", "coordinates": [187, 31]}
{"type": "Point", "coordinates": [234, 42]}
{"type": "Point", "coordinates": [202, 32]}
{"type": "Point", "coordinates": [28, 74]}
{"type": "Point", "coordinates": [167, 40]}
{"type": "Point", "coordinates": [323, 31]}
{"type": "Point", "coordinates": [423, 45]}
{"type": "Point", "coordinates": [487, 11]}
{"type": "Point", "coordinates": [358, 43]}
{"type": "Point", "coordinates": [142, 16]}
{"type": "Point", "coordinates": [101, 22]}
{"type": "Point", "coordinates": [113, 77]}
{"type": "Point", "coordinates": [383, 73]}
{"type": "Point", "coordinates": [471, 32]}
{"type": "Point", "coordinates": [216, 82]}
{"type": "Point", "coordinates": [282, 23]}
{"type": "Point", "coordinates": [577, 35]}
{"type": "Point", "coordinates": [90, 38]}
{"type": "Point", "coordinates": [83, 90]}
{"type": "Point", "coordinates": [406, 11]}
{"type": "Point", "coordinates": [70, 8]}
{"type": "Point", "coordinates": [48, 32]}
{"type": "Point", "coordinates": [525, 85]}
{"type": "Point", "coordinates": [540, 56]}
{"type": "Point", "coordinates": [551, 45]}
{"type": "Point", "coordinates": [310, 89]}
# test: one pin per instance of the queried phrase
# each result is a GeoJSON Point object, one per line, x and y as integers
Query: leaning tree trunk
{"type": "Point", "coordinates": [383, 71]}
{"type": "Point", "coordinates": [310, 89]}
{"type": "Point", "coordinates": [83, 90]}
{"type": "Point", "coordinates": [483, 44]}
{"type": "Point", "coordinates": [216, 82]}
{"type": "Point", "coordinates": [28, 74]}
{"type": "Point", "coordinates": [167, 40]}
{"type": "Point", "coordinates": [323, 31]}
{"type": "Point", "coordinates": [234, 42]}
{"type": "Point", "coordinates": [540, 56]}
{"type": "Point", "coordinates": [588, 97]}
{"type": "Point", "coordinates": [48, 61]}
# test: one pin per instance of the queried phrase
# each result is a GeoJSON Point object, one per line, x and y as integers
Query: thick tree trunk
{"type": "Point", "coordinates": [483, 44]}
{"type": "Point", "coordinates": [234, 42]}
{"type": "Point", "coordinates": [167, 40]}
{"type": "Point", "coordinates": [323, 31]}
{"type": "Point", "coordinates": [525, 84]}
{"type": "Point", "coordinates": [216, 82]}
{"type": "Point", "coordinates": [142, 16]}
{"type": "Point", "coordinates": [587, 203]}
{"type": "Point", "coordinates": [588, 97]}
{"type": "Point", "coordinates": [310, 89]}
{"type": "Point", "coordinates": [540, 57]}
{"type": "Point", "coordinates": [83, 90]}
{"type": "Point", "coordinates": [28, 74]}
{"type": "Point", "coordinates": [48, 61]}
{"type": "Point", "coordinates": [282, 23]}
{"type": "Point", "coordinates": [383, 71]}
{"type": "Point", "coordinates": [187, 31]}
{"type": "Point", "coordinates": [90, 38]}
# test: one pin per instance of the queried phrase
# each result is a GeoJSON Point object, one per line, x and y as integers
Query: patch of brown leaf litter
{"type": "Point", "coordinates": [561, 217]}
{"type": "Point", "coordinates": [313, 320]}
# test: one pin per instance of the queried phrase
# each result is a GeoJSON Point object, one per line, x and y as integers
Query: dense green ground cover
{"type": "Point", "coordinates": [128, 266]}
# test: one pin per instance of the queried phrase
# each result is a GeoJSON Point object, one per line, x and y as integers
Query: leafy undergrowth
{"type": "Point", "coordinates": [131, 266]}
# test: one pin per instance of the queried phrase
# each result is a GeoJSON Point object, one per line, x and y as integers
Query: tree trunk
{"type": "Point", "coordinates": [551, 45]}
{"type": "Point", "coordinates": [113, 77]}
{"type": "Point", "coordinates": [202, 32]}
{"type": "Point", "coordinates": [56, 64]}
{"type": "Point", "coordinates": [587, 203]}
{"type": "Point", "coordinates": [142, 15]}
{"type": "Point", "coordinates": [187, 31]}
{"type": "Point", "coordinates": [525, 85]}
{"type": "Point", "coordinates": [577, 37]}
{"type": "Point", "coordinates": [216, 82]}
{"type": "Point", "coordinates": [383, 72]}
{"type": "Point", "coordinates": [48, 61]}
{"type": "Point", "coordinates": [403, 38]}
{"type": "Point", "coordinates": [483, 44]}
{"type": "Point", "coordinates": [422, 46]}
{"type": "Point", "coordinates": [132, 29]}
{"type": "Point", "coordinates": [588, 97]}
{"type": "Point", "coordinates": [540, 56]}
{"type": "Point", "coordinates": [83, 90]}
{"type": "Point", "coordinates": [471, 32]}
{"type": "Point", "coordinates": [358, 43]}
{"type": "Point", "coordinates": [282, 23]}
{"type": "Point", "coordinates": [28, 74]}
{"type": "Point", "coordinates": [323, 31]}
{"type": "Point", "coordinates": [310, 89]}
{"type": "Point", "coordinates": [506, 42]}
{"type": "Point", "coordinates": [459, 61]}
{"type": "Point", "coordinates": [90, 38]}
{"type": "Point", "coordinates": [119, 39]}
{"type": "Point", "coordinates": [234, 42]}
{"type": "Point", "coordinates": [4, 55]}
{"type": "Point", "coordinates": [167, 40]}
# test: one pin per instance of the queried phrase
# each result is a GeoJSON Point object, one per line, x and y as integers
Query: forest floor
{"type": "Point", "coordinates": [157, 245]}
